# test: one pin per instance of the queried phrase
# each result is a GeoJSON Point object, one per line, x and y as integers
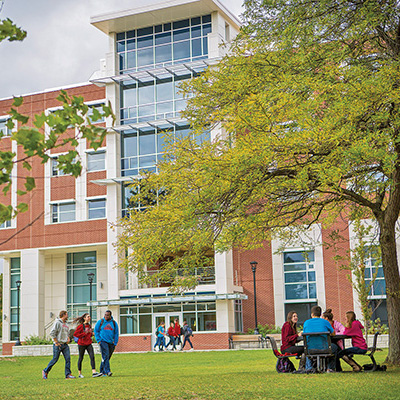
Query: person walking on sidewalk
{"type": "Point", "coordinates": [107, 334]}
{"type": "Point", "coordinates": [60, 334]}
{"type": "Point", "coordinates": [187, 332]}
{"type": "Point", "coordinates": [84, 334]}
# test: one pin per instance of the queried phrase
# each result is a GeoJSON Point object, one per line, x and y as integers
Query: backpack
{"type": "Point", "coordinates": [189, 331]}
{"type": "Point", "coordinates": [284, 365]}
{"type": "Point", "coordinates": [156, 332]}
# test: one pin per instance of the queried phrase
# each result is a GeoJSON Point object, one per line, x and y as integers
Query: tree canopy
{"type": "Point", "coordinates": [308, 100]}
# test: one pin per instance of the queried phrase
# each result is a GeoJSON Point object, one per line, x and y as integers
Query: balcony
{"type": "Point", "coordinates": [206, 276]}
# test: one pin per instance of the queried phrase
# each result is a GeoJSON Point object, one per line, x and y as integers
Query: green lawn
{"type": "Point", "coordinates": [192, 375]}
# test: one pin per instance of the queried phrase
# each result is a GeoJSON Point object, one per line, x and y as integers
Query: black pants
{"type": "Point", "coordinates": [89, 349]}
{"type": "Point", "coordinates": [294, 350]}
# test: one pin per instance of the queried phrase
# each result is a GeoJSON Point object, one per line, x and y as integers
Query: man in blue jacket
{"type": "Point", "coordinates": [106, 333]}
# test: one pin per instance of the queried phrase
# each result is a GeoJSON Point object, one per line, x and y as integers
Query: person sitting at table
{"type": "Point", "coordinates": [315, 325]}
{"type": "Point", "coordinates": [353, 328]}
{"type": "Point", "coordinates": [339, 329]}
{"type": "Point", "coordinates": [289, 337]}
{"type": "Point", "coordinates": [336, 325]}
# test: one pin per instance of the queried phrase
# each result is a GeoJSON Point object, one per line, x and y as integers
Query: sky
{"type": "Point", "coordinates": [62, 47]}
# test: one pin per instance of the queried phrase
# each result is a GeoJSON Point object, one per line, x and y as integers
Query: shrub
{"type": "Point", "coordinates": [377, 326]}
{"type": "Point", "coordinates": [36, 340]}
{"type": "Point", "coordinates": [266, 329]}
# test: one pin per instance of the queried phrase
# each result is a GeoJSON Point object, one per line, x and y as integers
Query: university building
{"type": "Point", "coordinates": [69, 231]}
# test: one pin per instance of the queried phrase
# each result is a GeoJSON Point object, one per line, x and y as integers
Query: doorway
{"type": "Point", "coordinates": [167, 318]}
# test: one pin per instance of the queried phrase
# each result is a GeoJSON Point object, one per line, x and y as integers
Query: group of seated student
{"type": "Point", "coordinates": [353, 328]}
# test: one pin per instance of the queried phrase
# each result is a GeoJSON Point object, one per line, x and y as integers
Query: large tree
{"type": "Point", "coordinates": [73, 120]}
{"type": "Point", "coordinates": [309, 102]}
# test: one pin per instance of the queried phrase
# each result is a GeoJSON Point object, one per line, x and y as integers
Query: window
{"type": "Point", "coordinates": [4, 131]}
{"type": "Point", "coordinates": [299, 275]}
{"type": "Point", "coordinates": [303, 310]}
{"type": "Point", "coordinates": [97, 107]}
{"type": "Point", "coordinates": [238, 316]}
{"type": "Point", "coordinates": [163, 44]}
{"type": "Point", "coordinates": [79, 265]}
{"type": "Point", "coordinates": [374, 266]}
{"type": "Point", "coordinates": [201, 316]}
{"type": "Point", "coordinates": [15, 275]}
{"type": "Point", "coordinates": [157, 98]}
{"type": "Point", "coordinates": [5, 224]}
{"type": "Point", "coordinates": [63, 212]}
{"type": "Point", "coordinates": [97, 208]}
{"type": "Point", "coordinates": [96, 161]}
{"type": "Point", "coordinates": [54, 168]}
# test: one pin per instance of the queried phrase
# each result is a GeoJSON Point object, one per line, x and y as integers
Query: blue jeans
{"type": "Point", "coordinates": [160, 342]}
{"type": "Point", "coordinates": [57, 350]}
{"type": "Point", "coordinates": [171, 341]}
{"type": "Point", "coordinates": [107, 349]}
{"type": "Point", "coordinates": [187, 339]}
{"type": "Point", "coordinates": [351, 350]}
{"type": "Point", "coordinates": [331, 362]}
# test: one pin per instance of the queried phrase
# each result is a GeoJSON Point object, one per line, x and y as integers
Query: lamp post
{"type": "Point", "coordinates": [18, 342]}
{"type": "Point", "coordinates": [90, 277]}
{"type": "Point", "coordinates": [253, 268]}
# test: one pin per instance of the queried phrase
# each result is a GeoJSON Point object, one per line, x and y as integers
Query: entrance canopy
{"type": "Point", "coordinates": [168, 299]}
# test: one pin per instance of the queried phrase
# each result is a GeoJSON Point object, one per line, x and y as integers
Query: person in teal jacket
{"type": "Point", "coordinates": [107, 334]}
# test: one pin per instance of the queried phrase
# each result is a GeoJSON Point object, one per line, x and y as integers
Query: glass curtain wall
{"type": "Point", "coordinates": [15, 275]}
{"type": "Point", "coordinates": [79, 265]}
{"type": "Point", "coordinates": [164, 44]}
{"type": "Point", "coordinates": [201, 316]}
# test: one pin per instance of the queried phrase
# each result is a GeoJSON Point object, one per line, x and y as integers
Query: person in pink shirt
{"type": "Point", "coordinates": [353, 328]}
{"type": "Point", "coordinates": [339, 329]}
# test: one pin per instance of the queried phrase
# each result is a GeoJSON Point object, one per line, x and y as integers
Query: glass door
{"type": "Point", "coordinates": [167, 318]}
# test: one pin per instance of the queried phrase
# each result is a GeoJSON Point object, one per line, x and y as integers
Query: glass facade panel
{"type": "Point", "coordinates": [144, 323]}
{"type": "Point", "coordinates": [15, 275]}
{"type": "Point", "coordinates": [163, 44]}
{"type": "Point", "coordinates": [4, 131]}
{"type": "Point", "coordinates": [63, 212]}
{"type": "Point", "coordinates": [373, 266]}
{"type": "Point", "coordinates": [79, 265]}
{"type": "Point", "coordinates": [299, 275]}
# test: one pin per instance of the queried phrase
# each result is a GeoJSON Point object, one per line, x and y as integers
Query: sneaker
{"type": "Point", "coordinates": [109, 374]}
{"type": "Point", "coordinates": [80, 376]}
{"type": "Point", "coordinates": [96, 374]}
{"type": "Point", "coordinates": [70, 377]}
{"type": "Point", "coordinates": [44, 374]}
{"type": "Point", "coordinates": [191, 349]}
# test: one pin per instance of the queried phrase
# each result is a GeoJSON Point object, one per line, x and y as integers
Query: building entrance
{"type": "Point", "coordinates": [167, 318]}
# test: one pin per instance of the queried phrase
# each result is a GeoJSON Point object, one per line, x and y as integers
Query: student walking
{"type": "Point", "coordinates": [171, 335]}
{"type": "Point", "coordinates": [177, 332]}
{"type": "Point", "coordinates": [187, 332]}
{"type": "Point", "coordinates": [60, 334]}
{"type": "Point", "coordinates": [84, 334]}
{"type": "Point", "coordinates": [161, 336]}
{"type": "Point", "coordinates": [107, 335]}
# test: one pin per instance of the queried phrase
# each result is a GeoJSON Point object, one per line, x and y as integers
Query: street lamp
{"type": "Point", "coordinates": [253, 268]}
{"type": "Point", "coordinates": [18, 342]}
{"type": "Point", "coordinates": [90, 276]}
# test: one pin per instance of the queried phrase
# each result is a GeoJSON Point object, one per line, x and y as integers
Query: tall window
{"type": "Point", "coordinates": [15, 275]}
{"type": "Point", "coordinates": [238, 316]}
{"type": "Point", "coordinates": [4, 131]}
{"type": "Point", "coordinates": [63, 212]}
{"type": "Point", "coordinates": [96, 161]}
{"type": "Point", "coordinates": [97, 107]}
{"type": "Point", "coordinates": [377, 294]}
{"type": "Point", "coordinates": [163, 44]}
{"type": "Point", "coordinates": [79, 265]}
{"type": "Point", "coordinates": [54, 168]}
{"type": "Point", "coordinates": [300, 282]}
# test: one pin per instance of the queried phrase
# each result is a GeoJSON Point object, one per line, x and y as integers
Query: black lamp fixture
{"type": "Point", "coordinates": [253, 268]}
{"type": "Point", "coordinates": [18, 341]}
{"type": "Point", "coordinates": [90, 278]}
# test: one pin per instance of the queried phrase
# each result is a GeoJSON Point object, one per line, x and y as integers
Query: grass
{"type": "Point", "coordinates": [195, 375]}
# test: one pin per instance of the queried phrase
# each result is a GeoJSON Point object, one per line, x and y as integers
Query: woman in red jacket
{"type": "Point", "coordinates": [84, 334]}
{"type": "Point", "coordinates": [289, 337]}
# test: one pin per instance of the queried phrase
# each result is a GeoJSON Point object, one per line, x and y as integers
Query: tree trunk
{"type": "Point", "coordinates": [387, 240]}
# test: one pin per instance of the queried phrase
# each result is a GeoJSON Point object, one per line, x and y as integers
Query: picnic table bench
{"type": "Point", "coordinates": [246, 341]}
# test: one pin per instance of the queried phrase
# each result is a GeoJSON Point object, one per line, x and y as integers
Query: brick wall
{"type": "Point", "coordinates": [134, 343]}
